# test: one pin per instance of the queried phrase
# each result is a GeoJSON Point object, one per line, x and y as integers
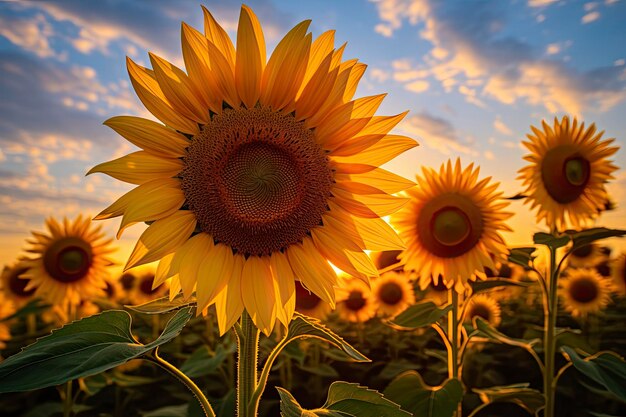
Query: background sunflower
{"type": "Point", "coordinates": [583, 291]}
{"type": "Point", "coordinates": [392, 293]}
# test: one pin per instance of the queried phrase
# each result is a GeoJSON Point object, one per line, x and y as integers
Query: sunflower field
{"type": "Point", "coordinates": [283, 272]}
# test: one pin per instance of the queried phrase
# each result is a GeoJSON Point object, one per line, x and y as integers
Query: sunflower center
{"type": "Point", "coordinates": [355, 301]}
{"type": "Point", "coordinates": [583, 290]}
{"type": "Point", "coordinates": [604, 269]}
{"type": "Point", "coordinates": [480, 310]}
{"type": "Point", "coordinates": [305, 300]}
{"type": "Point", "coordinates": [256, 180]}
{"type": "Point", "coordinates": [68, 259]}
{"type": "Point", "coordinates": [505, 271]}
{"type": "Point", "coordinates": [128, 281]}
{"type": "Point", "coordinates": [583, 251]}
{"type": "Point", "coordinates": [145, 286]}
{"type": "Point", "coordinates": [449, 225]}
{"type": "Point", "coordinates": [390, 293]}
{"type": "Point", "coordinates": [565, 173]}
{"type": "Point", "coordinates": [17, 285]}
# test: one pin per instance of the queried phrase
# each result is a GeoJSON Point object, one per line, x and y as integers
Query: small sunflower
{"type": "Point", "coordinates": [355, 302]}
{"type": "Point", "coordinates": [70, 262]}
{"type": "Point", "coordinates": [13, 286]}
{"type": "Point", "coordinates": [618, 274]}
{"type": "Point", "coordinates": [144, 291]}
{"type": "Point", "coordinates": [310, 304]}
{"type": "Point", "coordinates": [261, 171]}
{"type": "Point", "coordinates": [452, 225]}
{"type": "Point", "coordinates": [568, 168]}
{"type": "Point", "coordinates": [392, 293]}
{"type": "Point", "coordinates": [483, 306]}
{"type": "Point", "coordinates": [583, 291]}
{"type": "Point", "coordinates": [586, 256]}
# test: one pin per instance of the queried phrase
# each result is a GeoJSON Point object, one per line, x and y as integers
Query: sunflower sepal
{"type": "Point", "coordinates": [419, 315]}
{"type": "Point", "coordinates": [523, 257]}
{"type": "Point", "coordinates": [81, 348]}
{"type": "Point", "coordinates": [551, 240]}
{"type": "Point", "coordinates": [164, 305]}
{"type": "Point", "coordinates": [344, 400]}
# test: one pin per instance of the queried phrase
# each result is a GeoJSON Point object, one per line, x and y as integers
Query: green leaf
{"type": "Point", "coordinates": [419, 315]}
{"type": "Point", "coordinates": [289, 407]}
{"type": "Point", "coordinates": [81, 348]}
{"type": "Point", "coordinates": [168, 411]}
{"type": "Point", "coordinates": [528, 398]}
{"type": "Point", "coordinates": [484, 329]}
{"type": "Point", "coordinates": [606, 368]}
{"type": "Point", "coordinates": [522, 256]}
{"type": "Point", "coordinates": [572, 338]}
{"type": "Point", "coordinates": [203, 362]}
{"type": "Point", "coordinates": [488, 284]}
{"type": "Point", "coordinates": [302, 327]}
{"type": "Point", "coordinates": [585, 237]}
{"type": "Point", "coordinates": [164, 305]}
{"type": "Point", "coordinates": [550, 240]}
{"type": "Point", "coordinates": [414, 395]}
{"type": "Point", "coordinates": [360, 401]}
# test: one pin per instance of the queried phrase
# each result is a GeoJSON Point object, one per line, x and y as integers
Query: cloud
{"type": "Point", "coordinates": [472, 53]}
{"type": "Point", "coordinates": [540, 3]}
{"type": "Point", "coordinates": [436, 133]}
{"type": "Point", "coordinates": [590, 17]}
{"type": "Point", "coordinates": [501, 127]}
{"type": "Point", "coordinates": [418, 86]}
{"type": "Point", "coordinates": [30, 34]}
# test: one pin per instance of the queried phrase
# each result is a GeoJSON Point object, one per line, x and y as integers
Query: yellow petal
{"type": "Point", "coordinates": [150, 136]}
{"type": "Point", "coordinates": [257, 291]}
{"type": "Point", "coordinates": [194, 252]}
{"type": "Point", "coordinates": [321, 48]}
{"type": "Point", "coordinates": [334, 247]}
{"type": "Point", "coordinates": [174, 287]}
{"type": "Point", "coordinates": [383, 124]}
{"type": "Point", "coordinates": [224, 77]}
{"type": "Point", "coordinates": [218, 36]}
{"type": "Point", "coordinates": [251, 56]}
{"type": "Point", "coordinates": [214, 273]}
{"type": "Point", "coordinates": [285, 69]}
{"type": "Point", "coordinates": [379, 153]}
{"type": "Point", "coordinates": [150, 94]}
{"type": "Point", "coordinates": [162, 237]}
{"type": "Point", "coordinates": [139, 167]}
{"type": "Point", "coordinates": [316, 90]}
{"type": "Point", "coordinates": [160, 276]}
{"type": "Point", "coordinates": [284, 283]}
{"type": "Point", "coordinates": [335, 98]}
{"type": "Point", "coordinates": [151, 201]}
{"type": "Point", "coordinates": [379, 178]}
{"type": "Point", "coordinates": [313, 270]}
{"type": "Point", "coordinates": [228, 303]}
{"type": "Point", "coordinates": [353, 81]}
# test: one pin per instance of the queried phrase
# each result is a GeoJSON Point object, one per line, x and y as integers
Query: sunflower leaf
{"type": "Point", "coordinates": [551, 240]}
{"type": "Point", "coordinates": [486, 285]}
{"type": "Point", "coordinates": [484, 329]}
{"type": "Point", "coordinates": [356, 400]}
{"type": "Point", "coordinates": [164, 305]}
{"type": "Point", "coordinates": [289, 407]}
{"type": "Point", "coordinates": [419, 315]}
{"type": "Point", "coordinates": [527, 398]}
{"type": "Point", "coordinates": [606, 368]}
{"type": "Point", "coordinates": [522, 256]}
{"type": "Point", "coordinates": [302, 326]}
{"type": "Point", "coordinates": [411, 392]}
{"type": "Point", "coordinates": [585, 237]}
{"type": "Point", "coordinates": [81, 348]}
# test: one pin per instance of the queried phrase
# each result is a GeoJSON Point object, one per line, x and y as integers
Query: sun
{"type": "Point", "coordinates": [583, 291]}
{"type": "Point", "coordinates": [392, 293]}
{"type": "Point", "coordinates": [260, 171]}
{"type": "Point", "coordinates": [69, 263]}
{"type": "Point", "coordinates": [452, 225]}
{"type": "Point", "coordinates": [568, 169]}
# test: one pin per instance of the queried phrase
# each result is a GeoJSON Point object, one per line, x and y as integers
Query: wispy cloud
{"type": "Point", "coordinates": [436, 133]}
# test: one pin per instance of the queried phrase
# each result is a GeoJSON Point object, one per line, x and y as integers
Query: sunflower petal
{"type": "Point", "coordinates": [284, 282]}
{"type": "Point", "coordinates": [321, 48]}
{"type": "Point", "coordinates": [139, 167]}
{"type": "Point", "coordinates": [218, 37]}
{"type": "Point", "coordinates": [257, 291]}
{"type": "Point", "coordinates": [215, 272]}
{"type": "Point", "coordinates": [251, 56]}
{"type": "Point", "coordinates": [313, 270]}
{"type": "Point", "coordinates": [379, 178]}
{"type": "Point", "coordinates": [195, 251]}
{"type": "Point", "coordinates": [161, 274]}
{"type": "Point", "coordinates": [378, 154]}
{"type": "Point", "coordinates": [228, 303]}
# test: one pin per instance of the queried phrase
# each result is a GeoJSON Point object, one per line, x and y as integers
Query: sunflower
{"type": "Point", "coordinates": [584, 291]}
{"type": "Point", "coordinates": [436, 291]}
{"type": "Point", "coordinates": [144, 291]}
{"type": "Point", "coordinates": [451, 225]}
{"type": "Point", "coordinates": [13, 286]}
{"type": "Point", "coordinates": [355, 302]}
{"type": "Point", "coordinates": [310, 304]}
{"type": "Point", "coordinates": [261, 171]}
{"type": "Point", "coordinates": [392, 293]}
{"type": "Point", "coordinates": [586, 256]}
{"type": "Point", "coordinates": [70, 262]}
{"type": "Point", "coordinates": [483, 306]}
{"type": "Point", "coordinates": [618, 273]}
{"type": "Point", "coordinates": [568, 169]}
{"type": "Point", "coordinates": [7, 307]}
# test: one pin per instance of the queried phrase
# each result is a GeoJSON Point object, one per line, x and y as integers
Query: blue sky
{"type": "Point", "coordinates": [474, 75]}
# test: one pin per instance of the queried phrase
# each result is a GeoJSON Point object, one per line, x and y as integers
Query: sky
{"type": "Point", "coordinates": [473, 74]}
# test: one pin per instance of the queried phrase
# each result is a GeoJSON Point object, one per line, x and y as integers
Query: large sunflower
{"type": "Point", "coordinates": [568, 169]}
{"type": "Point", "coordinates": [69, 264]}
{"type": "Point", "coordinates": [261, 172]}
{"type": "Point", "coordinates": [13, 286]}
{"type": "Point", "coordinates": [393, 293]}
{"type": "Point", "coordinates": [583, 291]}
{"type": "Point", "coordinates": [451, 225]}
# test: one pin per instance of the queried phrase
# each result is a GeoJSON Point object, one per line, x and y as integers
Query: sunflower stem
{"type": "Point", "coordinates": [248, 351]}
{"type": "Point", "coordinates": [550, 339]}
{"type": "Point", "coordinates": [453, 335]}
{"type": "Point", "coordinates": [67, 401]}
{"type": "Point", "coordinates": [184, 379]}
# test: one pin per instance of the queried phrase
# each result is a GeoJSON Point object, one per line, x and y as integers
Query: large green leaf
{"type": "Point", "coordinates": [81, 348]}
{"type": "Point", "coordinates": [414, 395]}
{"type": "Point", "coordinates": [203, 362]}
{"type": "Point", "coordinates": [606, 368]}
{"type": "Point", "coordinates": [360, 401]}
{"type": "Point", "coordinates": [550, 240]}
{"type": "Point", "coordinates": [289, 407]}
{"type": "Point", "coordinates": [528, 398]}
{"type": "Point", "coordinates": [164, 305]}
{"type": "Point", "coordinates": [302, 327]}
{"type": "Point", "coordinates": [419, 315]}
{"type": "Point", "coordinates": [484, 329]}
{"type": "Point", "coordinates": [585, 237]}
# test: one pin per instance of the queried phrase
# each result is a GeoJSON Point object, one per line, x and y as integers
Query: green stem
{"type": "Point", "coordinates": [248, 350]}
{"type": "Point", "coordinates": [184, 379]}
{"type": "Point", "coordinates": [453, 334]}
{"type": "Point", "coordinates": [550, 337]}
{"type": "Point", "coordinates": [67, 403]}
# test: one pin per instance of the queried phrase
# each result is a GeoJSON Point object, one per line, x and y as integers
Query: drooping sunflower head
{"type": "Point", "coordinates": [583, 291]}
{"type": "Point", "coordinates": [355, 302]}
{"type": "Point", "coordinates": [485, 307]}
{"type": "Point", "coordinates": [262, 171]}
{"type": "Point", "coordinates": [309, 304]}
{"type": "Point", "coordinates": [568, 169]}
{"type": "Point", "coordinates": [392, 293]}
{"type": "Point", "coordinates": [70, 262]}
{"type": "Point", "coordinates": [452, 225]}
{"type": "Point", "coordinates": [13, 286]}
